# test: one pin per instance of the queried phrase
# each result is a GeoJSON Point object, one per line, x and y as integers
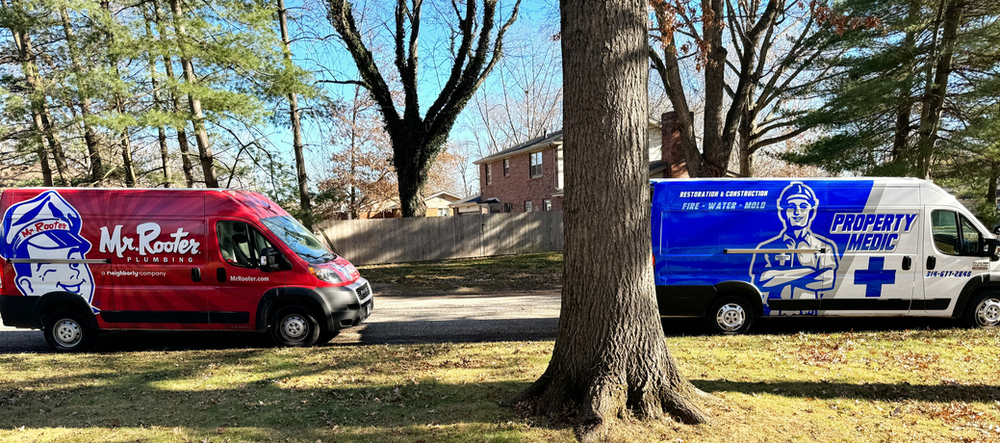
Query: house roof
{"type": "Point", "coordinates": [473, 201]}
{"type": "Point", "coordinates": [537, 144]}
{"type": "Point", "coordinates": [444, 195]}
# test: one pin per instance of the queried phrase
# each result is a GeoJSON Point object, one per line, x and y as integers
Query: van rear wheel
{"type": "Point", "coordinates": [67, 331]}
{"type": "Point", "coordinates": [294, 326]}
{"type": "Point", "coordinates": [730, 315]}
{"type": "Point", "coordinates": [984, 310]}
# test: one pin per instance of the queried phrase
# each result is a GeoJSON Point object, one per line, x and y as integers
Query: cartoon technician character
{"type": "Point", "coordinates": [47, 227]}
{"type": "Point", "coordinates": [809, 266]}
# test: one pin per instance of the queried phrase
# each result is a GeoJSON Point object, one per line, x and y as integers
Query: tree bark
{"type": "Point", "coordinates": [54, 144]}
{"type": "Point", "coordinates": [124, 141]}
{"type": "Point", "coordinates": [89, 136]}
{"type": "Point", "coordinates": [610, 355]}
{"type": "Point", "coordinates": [39, 111]}
{"type": "Point", "coordinates": [194, 103]}
{"type": "Point", "coordinates": [161, 132]}
{"type": "Point", "coordinates": [293, 110]}
{"type": "Point", "coordinates": [934, 99]}
{"type": "Point", "coordinates": [168, 67]}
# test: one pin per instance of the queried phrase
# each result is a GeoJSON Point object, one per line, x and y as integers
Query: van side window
{"type": "Point", "coordinates": [240, 244]}
{"type": "Point", "coordinates": [954, 234]}
{"type": "Point", "coordinates": [971, 238]}
{"type": "Point", "coordinates": [944, 228]}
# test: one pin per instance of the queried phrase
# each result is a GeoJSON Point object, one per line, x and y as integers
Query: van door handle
{"type": "Point", "coordinates": [907, 262]}
{"type": "Point", "coordinates": [220, 274]}
{"type": "Point", "coordinates": [196, 275]}
{"type": "Point", "coordinates": [931, 262]}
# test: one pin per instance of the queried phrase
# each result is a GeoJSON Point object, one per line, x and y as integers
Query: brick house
{"type": "Point", "coordinates": [529, 176]}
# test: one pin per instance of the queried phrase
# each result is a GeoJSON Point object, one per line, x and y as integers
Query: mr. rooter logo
{"type": "Point", "coordinates": [148, 242]}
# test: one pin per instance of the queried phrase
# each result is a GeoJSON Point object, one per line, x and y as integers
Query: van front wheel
{"type": "Point", "coordinates": [294, 326]}
{"type": "Point", "coordinates": [730, 315]}
{"type": "Point", "coordinates": [67, 331]}
{"type": "Point", "coordinates": [984, 311]}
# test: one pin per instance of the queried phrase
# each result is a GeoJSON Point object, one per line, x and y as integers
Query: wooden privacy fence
{"type": "Point", "coordinates": [398, 240]}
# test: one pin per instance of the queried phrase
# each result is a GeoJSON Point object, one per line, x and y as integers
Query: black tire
{"type": "Point", "coordinates": [67, 331]}
{"type": "Point", "coordinates": [294, 326]}
{"type": "Point", "coordinates": [730, 315]}
{"type": "Point", "coordinates": [983, 310]}
{"type": "Point", "coordinates": [326, 336]}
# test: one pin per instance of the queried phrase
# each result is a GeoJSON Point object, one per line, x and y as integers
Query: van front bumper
{"type": "Point", "coordinates": [347, 305]}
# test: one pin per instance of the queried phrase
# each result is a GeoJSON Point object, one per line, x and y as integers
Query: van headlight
{"type": "Point", "coordinates": [326, 274]}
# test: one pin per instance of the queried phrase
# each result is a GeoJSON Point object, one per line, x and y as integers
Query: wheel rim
{"type": "Point", "coordinates": [67, 333]}
{"type": "Point", "coordinates": [730, 317]}
{"type": "Point", "coordinates": [294, 328]}
{"type": "Point", "coordinates": [988, 312]}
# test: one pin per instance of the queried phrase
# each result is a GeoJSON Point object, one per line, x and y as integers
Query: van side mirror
{"type": "Point", "coordinates": [270, 260]}
{"type": "Point", "coordinates": [991, 249]}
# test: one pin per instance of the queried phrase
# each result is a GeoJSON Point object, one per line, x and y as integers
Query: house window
{"type": "Point", "coordinates": [536, 164]}
{"type": "Point", "coordinates": [506, 167]}
{"type": "Point", "coordinates": [546, 205]}
{"type": "Point", "coordinates": [489, 174]}
{"type": "Point", "coordinates": [527, 206]}
{"type": "Point", "coordinates": [507, 207]}
{"type": "Point", "coordinates": [442, 212]}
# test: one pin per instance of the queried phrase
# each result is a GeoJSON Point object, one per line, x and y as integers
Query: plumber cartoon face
{"type": "Point", "coordinates": [47, 227]}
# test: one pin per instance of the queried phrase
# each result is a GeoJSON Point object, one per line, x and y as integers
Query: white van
{"type": "Point", "coordinates": [730, 250]}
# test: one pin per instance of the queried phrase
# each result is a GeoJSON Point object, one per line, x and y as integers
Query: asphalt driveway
{"type": "Point", "coordinates": [516, 316]}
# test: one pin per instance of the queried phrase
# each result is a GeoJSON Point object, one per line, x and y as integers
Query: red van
{"type": "Point", "coordinates": [78, 261]}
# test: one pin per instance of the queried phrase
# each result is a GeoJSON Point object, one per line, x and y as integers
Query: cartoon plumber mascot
{"type": "Point", "coordinates": [795, 274]}
{"type": "Point", "coordinates": [47, 227]}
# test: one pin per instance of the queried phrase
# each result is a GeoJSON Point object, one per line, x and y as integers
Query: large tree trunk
{"type": "Point", "coordinates": [716, 155]}
{"type": "Point", "coordinates": [411, 173]}
{"type": "Point", "coordinates": [610, 354]}
{"type": "Point", "coordinates": [295, 115]}
{"type": "Point", "coordinates": [197, 115]}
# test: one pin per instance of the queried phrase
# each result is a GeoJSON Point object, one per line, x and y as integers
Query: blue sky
{"type": "Point", "coordinates": [316, 49]}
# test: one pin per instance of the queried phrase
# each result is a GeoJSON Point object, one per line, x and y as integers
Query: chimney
{"type": "Point", "coordinates": [671, 145]}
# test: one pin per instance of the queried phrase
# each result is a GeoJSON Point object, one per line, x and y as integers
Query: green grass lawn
{"type": "Point", "coordinates": [489, 274]}
{"type": "Point", "coordinates": [925, 386]}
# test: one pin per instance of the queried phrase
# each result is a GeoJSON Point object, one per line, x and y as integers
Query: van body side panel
{"type": "Point", "coordinates": [49, 246]}
{"type": "Point", "coordinates": [809, 246]}
{"type": "Point", "coordinates": [158, 244]}
{"type": "Point", "coordinates": [879, 264]}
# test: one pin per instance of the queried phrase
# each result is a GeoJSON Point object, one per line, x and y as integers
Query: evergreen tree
{"type": "Point", "coordinates": [903, 87]}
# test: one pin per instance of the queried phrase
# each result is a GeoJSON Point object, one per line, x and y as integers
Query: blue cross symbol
{"type": "Point", "coordinates": [874, 277]}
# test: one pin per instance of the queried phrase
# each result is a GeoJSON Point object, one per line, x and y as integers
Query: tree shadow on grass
{"type": "Point", "coordinates": [679, 327]}
{"type": "Point", "coordinates": [864, 391]}
{"type": "Point", "coordinates": [300, 397]}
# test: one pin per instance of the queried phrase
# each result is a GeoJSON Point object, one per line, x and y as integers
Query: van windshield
{"type": "Point", "coordinates": [299, 239]}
